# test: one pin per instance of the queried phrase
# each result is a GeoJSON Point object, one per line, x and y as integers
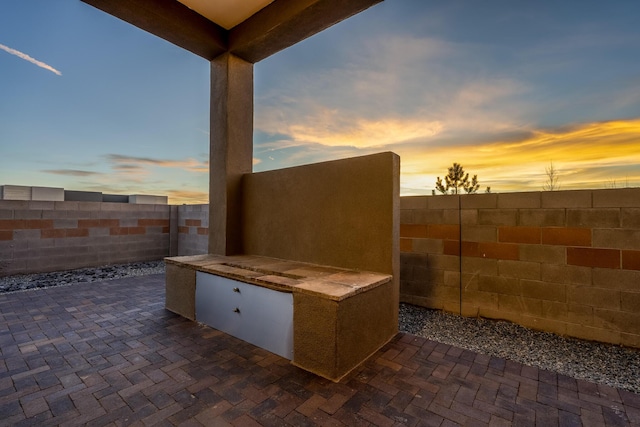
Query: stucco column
{"type": "Point", "coordinates": [231, 150]}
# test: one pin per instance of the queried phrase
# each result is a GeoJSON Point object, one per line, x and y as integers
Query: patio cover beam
{"type": "Point", "coordinates": [279, 25]}
{"type": "Point", "coordinates": [170, 20]}
{"type": "Point", "coordinates": [284, 23]}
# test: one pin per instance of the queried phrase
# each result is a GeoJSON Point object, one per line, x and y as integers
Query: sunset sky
{"type": "Point", "coordinates": [88, 102]}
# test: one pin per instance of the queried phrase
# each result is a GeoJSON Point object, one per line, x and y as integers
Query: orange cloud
{"type": "Point", "coordinates": [132, 162]}
{"type": "Point", "coordinates": [189, 197]}
{"type": "Point", "coordinates": [582, 154]}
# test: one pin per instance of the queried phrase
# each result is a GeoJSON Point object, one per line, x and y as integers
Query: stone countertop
{"type": "Point", "coordinates": [332, 283]}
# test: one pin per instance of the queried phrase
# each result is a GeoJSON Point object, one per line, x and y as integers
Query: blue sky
{"type": "Point", "coordinates": [502, 87]}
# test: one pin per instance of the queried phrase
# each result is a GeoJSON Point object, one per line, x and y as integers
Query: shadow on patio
{"type": "Point", "coordinates": [110, 354]}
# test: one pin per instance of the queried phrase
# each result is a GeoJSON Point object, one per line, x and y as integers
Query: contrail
{"type": "Point", "coordinates": [30, 59]}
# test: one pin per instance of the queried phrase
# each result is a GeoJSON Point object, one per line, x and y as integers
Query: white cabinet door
{"type": "Point", "coordinates": [258, 315]}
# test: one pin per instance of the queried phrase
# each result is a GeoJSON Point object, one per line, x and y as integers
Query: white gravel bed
{"type": "Point", "coordinates": [608, 364]}
{"type": "Point", "coordinates": [601, 363]}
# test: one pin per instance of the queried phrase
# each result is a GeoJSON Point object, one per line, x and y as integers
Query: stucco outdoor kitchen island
{"type": "Point", "coordinates": [326, 320]}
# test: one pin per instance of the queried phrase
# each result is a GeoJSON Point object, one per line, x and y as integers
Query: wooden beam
{"type": "Point", "coordinates": [284, 23]}
{"type": "Point", "coordinates": [172, 21]}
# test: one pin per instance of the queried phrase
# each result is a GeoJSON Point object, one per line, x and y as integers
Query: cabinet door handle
{"type": "Point", "coordinates": [236, 310]}
{"type": "Point", "coordinates": [236, 290]}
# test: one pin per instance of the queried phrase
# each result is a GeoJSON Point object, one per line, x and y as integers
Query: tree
{"type": "Point", "coordinates": [551, 184]}
{"type": "Point", "coordinates": [457, 181]}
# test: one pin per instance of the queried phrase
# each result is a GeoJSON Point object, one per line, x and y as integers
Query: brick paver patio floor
{"type": "Point", "coordinates": [110, 354]}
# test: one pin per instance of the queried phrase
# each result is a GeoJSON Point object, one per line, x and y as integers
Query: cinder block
{"type": "Point", "coordinates": [119, 207]}
{"type": "Point", "coordinates": [631, 260]}
{"type": "Point", "coordinates": [480, 266]}
{"type": "Point", "coordinates": [630, 218]}
{"type": "Point", "coordinates": [498, 217]}
{"type": "Point", "coordinates": [468, 309]}
{"type": "Point", "coordinates": [593, 334]}
{"type": "Point", "coordinates": [65, 223]}
{"type": "Point", "coordinates": [40, 243]}
{"type": "Point", "coordinates": [422, 301]}
{"type": "Point", "coordinates": [592, 218]}
{"type": "Point", "coordinates": [444, 202]}
{"type": "Point", "coordinates": [406, 217]}
{"type": "Point", "coordinates": [519, 269]}
{"type": "Point", "coordinates": [594, 297]}
{"type": "Point", "coordinates": [6, 213]}
{"type": "Point", "coordinates": [491, 250]}
{"type": "Point", "coordinates": [129, 222]}
{"type": "Point", "coordinates": [566, 236]}
{"type": "Point", "coordinates": [543, 324]}
{"type": "Point", "coordinates": [616, 238]}
{"type": "Point", "coordinates": [412, 287]}
{"type": "Point", "coordinates": [479, 233]}
{"type": "Point", "coordinates": [406, 230]}
{"type": "Point", "coordinates": [617, 198]}
{"type": "Point", "coordinates": [479, 201]}
{"type": "Point", "coordinates": [580, 314]}
{"type": "Point", "coordinates": [519, 200]}
{"type": "Point", "coordinates": [98, 232]}
{"type": "Point", "coordinates": [444, 262]}
{"type": "Point", "coordinates": [541, 217]}
{"type": "Point", "coordinates": [469, 217]}
{"type": "Point", "coordinates": [594, 257]}
{"type": "Point", "coordinates": [445, 293]}
{"type": "Point", "coordinates": [428, 216]}
{"type": "Point", "coordinates": [85, 206]}
{"type": "Point", "coordinates": [413, 202]}
{"type": "Point", "coordinates": [164, 209]}
{"type": "Point", "coordinates": [630, 301]}
{"type": "Point", "coordinates": [520, 304]}
{"type": "Point", "coordinates": [543, 254]}
{"type": "Point", "coordinates": [41, 205]}
{"type": "Point", "coordinates": [626, 280]}
{"type": "Point", "coordinates": [452, 279]}
{"type": "Point", "coordinates": [67, 206]}
{"type": "Point", "coordinates": [426, 246]}
{"type": "Point", "coordinates": [14, 204]}
{"type": "Point", "coordinates": [26, 234]}
{"type": "Point", "coordinates": [499, 285]}
{"type": "Point", "coordinates": [27, 214]}
{"type": "Point", "coordinates": [566, 199]}
{"type": "Point", "coordinates": [630, 340]}
{"type": "Point", "coordinates": [54, 214]}
{"type": "Point", "coordinates": [508, 234]}
{"type": "Point", "coordinates": [15, 245]}
{"type": "Point", "coordinates": [568, 274]}
{"type": "Point", "coordinates": [617, 320]}
{"type": "Point", "coordinates": [443, 231]}
{"type": "Point", "coordinates": [544, 290]}
{"type": "Point", "coordinates": [480, 299]}
{"type": "Point", "coordinates": [470, 282]}
{"type": "Point", "coordinates": [451, 216]}
{"type": "Point", "coordinates": [406, 245]}
{"type": "Point", "coordinates": [554, 310]}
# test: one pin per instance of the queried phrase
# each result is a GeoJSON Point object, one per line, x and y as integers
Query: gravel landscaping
{"type": "Point", "coordinates": [602, 363]}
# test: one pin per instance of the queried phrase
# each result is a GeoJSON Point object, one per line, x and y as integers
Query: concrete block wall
{"type": "Point", "coordinates": [193, 229]}
{"type": "Point", "coordinates": [567, 262]}
{"type": "Point", "coordinates": [39, 236]}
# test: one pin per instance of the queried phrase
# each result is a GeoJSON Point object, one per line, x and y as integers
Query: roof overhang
{"type": "Point", "coordinates": [256, 30]}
